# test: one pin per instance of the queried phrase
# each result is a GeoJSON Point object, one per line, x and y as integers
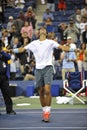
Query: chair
{"type": "Point", "coordinates": [85, 77]}
{"type": "Point", "coordinates": [85, 74]}
{"type": "Point", "coordinates": [74, 84]}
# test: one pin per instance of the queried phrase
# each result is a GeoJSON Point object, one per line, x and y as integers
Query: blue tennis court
{"type": "Point", "coordinates": [61, 119]}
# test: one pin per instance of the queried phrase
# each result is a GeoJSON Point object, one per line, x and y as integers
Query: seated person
{"type": "Point", "coordinates": [30, 10]}
{"type": "Point", "coordinates": [62, 5]}
{"type": "Point", "coordinates": [49, 25]}
{"type": "Point", "coordinates": [47, 14]}
{"type": "Point", "coordinates": [29, 71]}
{"type": "Point", "coordinates": [30, 16]}
{"type": "Point", "coordinates": [68, 59]}
{"type": "Point", "coordinates": [84, 11]}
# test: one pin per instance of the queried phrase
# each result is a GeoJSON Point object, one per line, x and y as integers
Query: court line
{"type": "Point", "coordinates": [25, 128]}
{"type": "Point", "coordinates": [55, 112]}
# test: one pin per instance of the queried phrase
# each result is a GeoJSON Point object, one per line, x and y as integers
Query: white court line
{"type": "Point", "coordinates": [55, 112]}
{"type": "Point", "coordinates": [25, 128]}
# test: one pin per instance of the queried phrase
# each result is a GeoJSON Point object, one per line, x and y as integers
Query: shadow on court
{"type": "Point", "coordinates": [61, 119]}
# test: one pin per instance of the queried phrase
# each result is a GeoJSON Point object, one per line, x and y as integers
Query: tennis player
{"type": "Point", "coordinates": [43, 52]}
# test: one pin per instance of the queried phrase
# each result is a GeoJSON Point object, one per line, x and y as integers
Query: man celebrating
{"type": "Point", "coordinates": [43, 52]}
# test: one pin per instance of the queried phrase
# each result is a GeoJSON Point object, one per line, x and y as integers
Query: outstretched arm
{"type": "Point", "coordinates": [18, 50]}
{"type": "Point", "coordinates": [64, 48]}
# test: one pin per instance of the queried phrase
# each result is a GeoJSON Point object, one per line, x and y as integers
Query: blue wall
{"type": "Point", "coordinates": [21, 86]}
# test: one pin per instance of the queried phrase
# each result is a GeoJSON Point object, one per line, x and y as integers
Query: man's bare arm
{"type": "Point", "coordinates": [18, 50]}
{"type": "Point", "coordinates": [64, 48]}
{"type": "Point", "coordinates": [21, 49]}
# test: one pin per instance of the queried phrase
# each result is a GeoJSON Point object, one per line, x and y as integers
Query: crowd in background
{"type": "Point", "coordinates": [22, 30]}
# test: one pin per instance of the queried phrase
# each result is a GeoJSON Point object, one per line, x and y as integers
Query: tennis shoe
{"type": "Point", "coordinates": [46, 116]}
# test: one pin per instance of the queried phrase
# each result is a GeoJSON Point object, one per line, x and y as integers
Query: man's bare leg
{"type": "Point", "coordinates": [45, 99]}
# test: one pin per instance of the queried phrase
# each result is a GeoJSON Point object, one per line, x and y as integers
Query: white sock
{"type": "Point", "coordinates": [48, 108]}
{"type": "Point", "coordinates": [44, 109]}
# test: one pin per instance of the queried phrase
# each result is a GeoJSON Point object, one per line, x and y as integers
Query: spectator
{"type": "Point", "coordinates": [3, 42]}
{"type": "Point", "coordinates": [84, 36]}
{"type": "Point", "coordinates": [25, 56]}
{"type": "Point", "coordinates": [13, 33]}
{"type": "Point", "coordinates": [85, 1]}
{"type": "Point", "coordinates": [35, 35]}
{"type": "Point", "coordinates": [82, 26]}
{"type": "Point", "coordinates": [30, 71]}
{"type": "Point", "coordinates": [27, 28]}
{"type": "Point", "coordinates": [82, 64]}
{"type": "Point", "coordinates": [84, 11]}
{"type": "Point", "coordinates": [31, 17]}
{"type": "Point", "coordinates": [47, 14]}
{"type": "Point", "coordinates": [51, 5]}
{"type": "Point", "coordinates": [16, 44]}
{"type": "Point", "coordinates": [10, 23]}
{"type": "Point", "coordinates": [72, 31]}
{"type": "Point", "coordinates": [62, 5]}
{"type": "Point", "coordinates": [18, 24]}
{"type": "Point", "coordinates": [22, 16]}
{"type": "Point", "coordinates": [49, 25]}
{"type": "Point", "coordinates": [68, 59]}
{"type": "Point", "coordinates": [61, 29]}
{"type": "Point", "coordinates": [30, 9]}
{"type": "Point", "coordinates": [26, 41]}
{"type": "Point", "coordinates": [56, 61]}
{"type": "Point", "coordinates": [19, 4]}
{"type": "Point", "coordinates": [23, 36]}
{"type": "Point", "coordinates": [5, 35]}
{"type": "Point", "coordinates": [13, 67]}
{"type": "Point", "coordinates": [77, 17]}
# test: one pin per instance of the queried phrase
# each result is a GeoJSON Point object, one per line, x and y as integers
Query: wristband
{"type": "Point", "coordinates": [15, 50]}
